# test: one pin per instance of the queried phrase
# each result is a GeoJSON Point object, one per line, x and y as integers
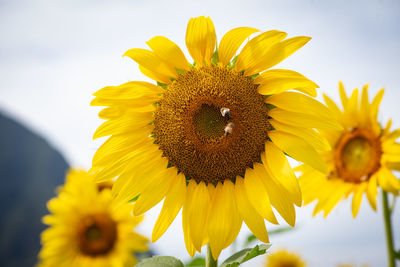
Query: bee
{"type": "Point", "coordinates": [226, 112]}
{"type": "Point", "coordinates": [229, 128]}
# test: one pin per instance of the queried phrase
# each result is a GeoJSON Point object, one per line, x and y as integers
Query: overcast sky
{"type": "Point", "coordinates": [55, 54]}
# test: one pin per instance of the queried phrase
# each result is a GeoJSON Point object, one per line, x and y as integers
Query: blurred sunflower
{"type": "Point", "coordinates": [283, 258]}
{"type": "Point", "coordinates": [363, 157]}
{"type": "Point", "coordinates": [86, 230]}
{"type": "Point", "coordinates": [207, 138]}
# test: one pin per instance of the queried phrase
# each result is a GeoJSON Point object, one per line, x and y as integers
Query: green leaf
{"type": "Point", "coordinates": [197, 262]}
{"type": "Point", "coordinates": [254, 76]}
{"type": "Point", "coordinates": [397, 254]}
{"type": "Point", "coordinates": [245, 255]}
{"type": "Point", "coordinates": [233, 62]}
{"type": "Point", "coordinates": [160, 261]}
{"type": "Point", "coordinates": [162, 85]}
{"type": "Point", "coordinates": [215, 58]}
{"type": "Point", "coordinates": [134, 199]}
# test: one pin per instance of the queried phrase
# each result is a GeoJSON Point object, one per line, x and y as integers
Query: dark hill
{"type": "Point", "coordinates": [30, 170]}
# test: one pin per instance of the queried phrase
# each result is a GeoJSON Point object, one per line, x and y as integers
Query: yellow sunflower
{"type": "Point", "coordinates": [363, 157]}
{"type": "Point", "coordinates": [207, 138]}
{"type": "Point", "coordinates": [283, 258]}
{"type": "Point", "coordinates": [86, 229]}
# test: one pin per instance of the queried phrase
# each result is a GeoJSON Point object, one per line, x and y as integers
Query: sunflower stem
{"type": "Point", "coordinates": [210, 262]}
{"type": "Point", "coordinates": [388, 227]}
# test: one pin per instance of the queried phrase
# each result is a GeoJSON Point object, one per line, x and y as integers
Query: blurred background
{"type": "Point", "coordinates": [55, 54]}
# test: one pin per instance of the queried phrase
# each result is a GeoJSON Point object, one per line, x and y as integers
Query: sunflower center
{"type": "Point", "coordinates": [209, 123]}
{"type": "Point", "coordinates": [212, 124]}
{"type": "Point", "coordinates": [357, 155]}
{"type": "Point", "coordinates": [97, 234]}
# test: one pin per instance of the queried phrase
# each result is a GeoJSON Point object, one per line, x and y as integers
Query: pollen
{"type": "Point", "coordinates": [212, 124]}
{"type": "Point", "coordinates": [97, 234]}
{"type": "Point", "coordinates": [357, 155]}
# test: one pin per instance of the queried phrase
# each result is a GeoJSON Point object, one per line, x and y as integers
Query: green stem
{"type": "Point", "coordinates": [210, 262]}
{"type": "Point", "coordinates": [388, 228]}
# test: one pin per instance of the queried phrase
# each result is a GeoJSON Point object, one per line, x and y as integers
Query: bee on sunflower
{"type": "Point", "coordinates": [211, 136]}
{"type": "Point", "coordinates": [363, 158]}
{"type": "Point", "coordinates": [85, 229]}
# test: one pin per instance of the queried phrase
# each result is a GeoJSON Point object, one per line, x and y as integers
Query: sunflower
{"type": "Point", "coordinates": [207, 138]}
{"type": "Point", "coordinates": [85, 228]}
{"type": "Point", "coordinates": [283, 258]}
{"type": "Point", "coordinates": [363, 157]}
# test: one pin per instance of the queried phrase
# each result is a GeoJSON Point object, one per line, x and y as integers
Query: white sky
{"type": "Point", "coordinates": [55, 54]}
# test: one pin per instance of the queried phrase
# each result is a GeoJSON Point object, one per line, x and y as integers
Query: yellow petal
{"type": "Point", "coordinates": [343, 96]}
{"type": "Point", "coordinates": [250, 216]}
{"type": "Point", "coordinates": [388, 139]}
{"type": "Point", "coordinates": [356, 203]}
{"type": "Point", "coordinates": [169, 52]}
{"type": "Point", "coordinates": [151, 61]}
{"type": "Point", "coordinates": [375, 104]}
{"type": "Point", "coordinates": [386, 130]}
{"type": "Point", "coordinates": [310, 183]}
{"type": "Point", "coordinates": [134, 103]}
{"type": "Point", "coordinates": [304, 120]}
{"type": "Point", "coordinates": [118, 145]}
{"type": "Point", "coordinates": [171, 206]}
{"type": "Point", "coordinates": [295, 102]}
{"type": "Point", "coordinates": [196, 206]}
{"type": "Point", "coordinates": [113, 169]}
{"type": "Point", "coordinates": [393, 165]}
{"type": "Point", "coordinates": [364, 107]}
{"type": "Point", "coordinates": [201, 39]}
{"type": "Point", "coordinates": [129, 90]}
{"type": "Point", "coordinates": [124, 124]}
{"type": "Point", "coordinates": [279, 80]}
{"type": "Point", "coordinates": [278, 195]}
{"type": "Point", "coordinates": [281, 170]}
{"type": "Point", "coordinates": [391, 148]}
{"type": "Point", "coordinates": [332, 105]}
{"type": "Point", "coordinates": [315, 139]}
{"type": "Point", "coordinates": [143, 158]}
{"type": "Point", "coordinates": [333, 198]}
{"type": "Point", "coordinates": [372, 191]}
{"type": "Point", "coordinates": [139, 180]}
{"type": "Point", "coordinates": [258, 195]}
{"type": "Point", "coordinates": [110, 113]}
{"type": "Point", "coordinates": [276, 54]}
{"type": "Point", "coordinates": [298, 149]}
{"type": "Point", "coordinates": [392, 180]}
{"type": "Point", "coordinates": [186, 230]}
{"type": "Point", "coordinates": [231, 42]}
{"type": "Point", "coordinates": [155, 192]}
{"type": "Point", "coordinates": [256, 48]}
{"type": "Point", "coordinates": [322, 195]}
{"type": "Point", "coordinates": [161, 78]}
{"type": "Point", "coordinates": [353, 102]}
{"type": "Point", "coordinates": [224, 221]}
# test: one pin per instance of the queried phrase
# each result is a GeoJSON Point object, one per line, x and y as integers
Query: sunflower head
{"type": "Point", "coordinates": [363, 157]}
{"type": "Point", "coordinates": [86, 229]}
{"type": "Point", "coordinates": [210, 137]}
{"type": "Point", "coordinates": [283, 258]}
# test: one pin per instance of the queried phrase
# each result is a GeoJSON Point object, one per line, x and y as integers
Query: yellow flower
{"type": "Point", "coordinates": [207, 138]}
{"type": "Point", "coordinates": [362, 159]}
{"type": "Point", "coordinates": [283, 258]}
{"type": "Point", "coordinates": [86, 229]}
